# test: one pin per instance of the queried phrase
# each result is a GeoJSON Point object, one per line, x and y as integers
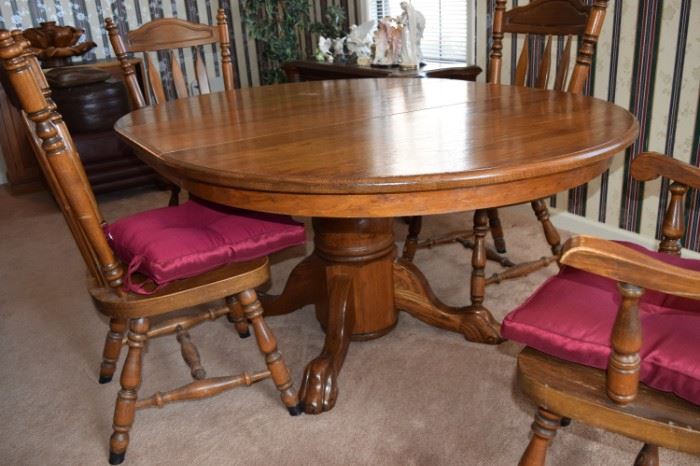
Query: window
{"type": "Point", "coordinates": [449, 26]}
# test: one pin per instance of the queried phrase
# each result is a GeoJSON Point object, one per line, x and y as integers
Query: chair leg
{"type": "Point", "coordinates": [112, 348]}
{"type": "Point", "coordinates": [237, 317]}
{"type": "Point", "coordinates": [550, 233]}
{"type": "Point", "coordinates": [478, 278]}
{"type": "Point", "coordinates": [648, 456]}
{"type": "Point", "coordinates": [543, 430]}
{"type": "Point", "coordinates": [268, 346]}
{"type": "Point", "coordinates": [125, 408]}
{"type": "Point", "coordinates": [174, 195]}
{"type": "Point", "coordinates": [497, 231]}
{"type": "Point", "coordinates": [411, 244]}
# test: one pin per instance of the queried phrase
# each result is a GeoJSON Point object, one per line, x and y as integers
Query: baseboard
{"type": "Point", "coordinates": [575, 223]}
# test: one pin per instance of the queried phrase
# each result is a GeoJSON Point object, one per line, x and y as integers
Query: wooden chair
{"type": "Point", "coordinates": [169, 34]}
{"type": "Point", "coordinates": [235, 281]}
{"type": "Point", "coordinates": [644, 327]}
{"type": "Point", "coordinates": [548, 18]}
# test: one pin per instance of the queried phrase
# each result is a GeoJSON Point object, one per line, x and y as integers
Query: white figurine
{"type": "Point", "coordinates": [339, 46]}
{"type": "Point", "coordinates": [359, 40]}
{"type": "Point", "coordinates": [324, 49]}
{"type": "Point", "coordinates": [387, 40]}
{"type": "Point", "coordinates": [413, 25]}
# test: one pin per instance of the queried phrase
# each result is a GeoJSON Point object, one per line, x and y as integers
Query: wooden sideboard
{"type": "Point", "coordinates": [23, 173]}
{"type": "Point", "coordinates": [312, 70]}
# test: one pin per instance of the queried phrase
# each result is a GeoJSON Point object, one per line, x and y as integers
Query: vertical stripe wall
{"type": "Point", "coordinates": [647, 60]}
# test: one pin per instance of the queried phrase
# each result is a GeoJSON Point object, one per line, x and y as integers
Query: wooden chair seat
{"type": "Point", "coordinates": [578, 392]}
{"type": "Point", "coordinates": [224, 281]}
{"type": "Point", "coordinates": [647, 306]}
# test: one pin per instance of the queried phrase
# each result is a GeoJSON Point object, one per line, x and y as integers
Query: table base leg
{"type": "Point", "coordinates": [357, 287]}
{"type": "Point", "coordinates": [302, 288]}
{"type": "Point", "coordinates": [319, 387]}
{"type": "Point", "coordinates": [413, 295]}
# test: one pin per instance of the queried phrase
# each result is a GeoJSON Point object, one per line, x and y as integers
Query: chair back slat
{"type": "Point", "coordinates": [548, 18]}
{"type": "Point", "coordinates": [563, 67]}
{"type": "Point", "coordinates": [521, 67]}
{"type": "Point", "coordinates": [543, 72]}
{"type": "Point", "coordinates": [58, 158]}
{"type": "Point", "coordinates": [201, 72]}
{"type": "Point", "coordinates": [154, 82]}
{"type": "Point", "coordinates": [170, 34]}
{"type": "Point", "coordinates": [178, 77]}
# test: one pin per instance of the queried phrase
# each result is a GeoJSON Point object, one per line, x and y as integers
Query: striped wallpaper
{"type": "Point", "coordinates": [648, 60]}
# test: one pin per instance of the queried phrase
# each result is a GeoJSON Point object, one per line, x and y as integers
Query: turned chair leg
{"type": "Point", "coordinates": [411, 244]}
{"type": "Point", "coordinates": [497, 231]}
{"type": "Point", "coordinates": [478, 278]}
{"type": "Point", "coordinates": [112, 348]}
{"type": "Point", "coordinates": [174, 195]}
{"type": "Point", "coordinates": [236, 316]}
{"type": "Point", "coordinates": [268, 345]}
{"type": "Point", "coordinates": [543, 430]}
{"type": "Point", "coordinates": [125, 408]}
{"type": "Point", "coordinates": [550, 233]}
{"type": "Point", "coordinates": [648, 456]}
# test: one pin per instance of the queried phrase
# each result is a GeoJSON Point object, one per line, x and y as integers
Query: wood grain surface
{"type": "Point", "coordinates": [428, 145]}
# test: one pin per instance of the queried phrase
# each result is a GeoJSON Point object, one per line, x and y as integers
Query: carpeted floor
{"type": "Point", "coordinates": [418, 396]}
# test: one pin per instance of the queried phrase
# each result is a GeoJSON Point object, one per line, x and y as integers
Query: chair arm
{"type": "Point", "coordinates": [650, 165]}
{"type": "Point", "coordinates": [615, 261]}
{"type": "Point", "coordinates": [634, 271]}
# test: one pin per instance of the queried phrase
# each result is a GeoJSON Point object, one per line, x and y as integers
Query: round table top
{"type": "Point", "coordinates": [379, 147]}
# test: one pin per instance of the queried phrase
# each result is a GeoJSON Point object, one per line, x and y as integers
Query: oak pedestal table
{"type": "Point", "coordinates": [354, 154]}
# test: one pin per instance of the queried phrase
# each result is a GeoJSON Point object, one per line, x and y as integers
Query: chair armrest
{"type": "Point", "coordinates": [615, 261]}
{"type": "Point", "coordinates": [650, 165]}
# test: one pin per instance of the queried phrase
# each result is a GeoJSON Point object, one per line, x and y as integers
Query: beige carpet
{"type": "Point", "coordinates": [418, 396]}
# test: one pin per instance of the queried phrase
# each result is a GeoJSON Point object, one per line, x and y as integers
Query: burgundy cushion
{"type": "Point", "coordinates": [172, 243]}
{"type": "Point", "coordinates": [572, 314]}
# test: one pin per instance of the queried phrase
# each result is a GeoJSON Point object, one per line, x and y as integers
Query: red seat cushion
{"type": "Point", "coordinates": [572, 314]}
{"type": "Point", "coordinates": [172, 243]}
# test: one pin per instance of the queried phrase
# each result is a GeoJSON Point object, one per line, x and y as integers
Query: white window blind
{"type": "Point", "coordinates": [448, 32]}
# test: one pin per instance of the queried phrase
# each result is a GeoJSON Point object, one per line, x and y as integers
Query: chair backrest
{"type": "Point", "coordinates": [59, 160]}
{"type": "Point", "coordinates": [168, 34]}
{"type": "Point", "coordinates": [548, 18]}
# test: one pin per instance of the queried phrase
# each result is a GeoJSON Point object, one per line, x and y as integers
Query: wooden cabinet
{"type": "Point", "coordinates": [311, 70]}
{"type": "Point", "coordinates": [23, 173]}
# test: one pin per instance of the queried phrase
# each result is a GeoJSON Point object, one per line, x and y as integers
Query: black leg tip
{"type": "Point", "coordinates": [296, 410]}
{"type": "Point", "coordinates": [500, 247]}
{"type": "Point", "coordinates": [245, 334]}
{"type": "Point", "coordinates": [105, 379]}
{"type": "Point", "coordinates": [116, 458]}
{"type": "Point", "coordinates": [565, 421]}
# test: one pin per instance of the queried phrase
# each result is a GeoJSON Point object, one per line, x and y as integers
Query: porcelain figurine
{"type": "Point", "coordinates": [413, 25]}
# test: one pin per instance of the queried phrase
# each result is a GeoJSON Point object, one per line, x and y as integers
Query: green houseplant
{"type": "Point", "coordinates": [278, 26]}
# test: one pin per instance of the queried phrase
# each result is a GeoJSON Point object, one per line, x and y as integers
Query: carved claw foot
{"type": "Point", "coordinates": [319, 388]}
{"type": "Point", "coordinates": [480, 326]}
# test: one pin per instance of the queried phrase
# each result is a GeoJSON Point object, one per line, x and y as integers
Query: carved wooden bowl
{"type": "Point", "coordinates": [55, 45]}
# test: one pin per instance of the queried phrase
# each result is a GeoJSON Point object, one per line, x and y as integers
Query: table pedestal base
{"type": "Point", "coordinates": [357, 287]}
